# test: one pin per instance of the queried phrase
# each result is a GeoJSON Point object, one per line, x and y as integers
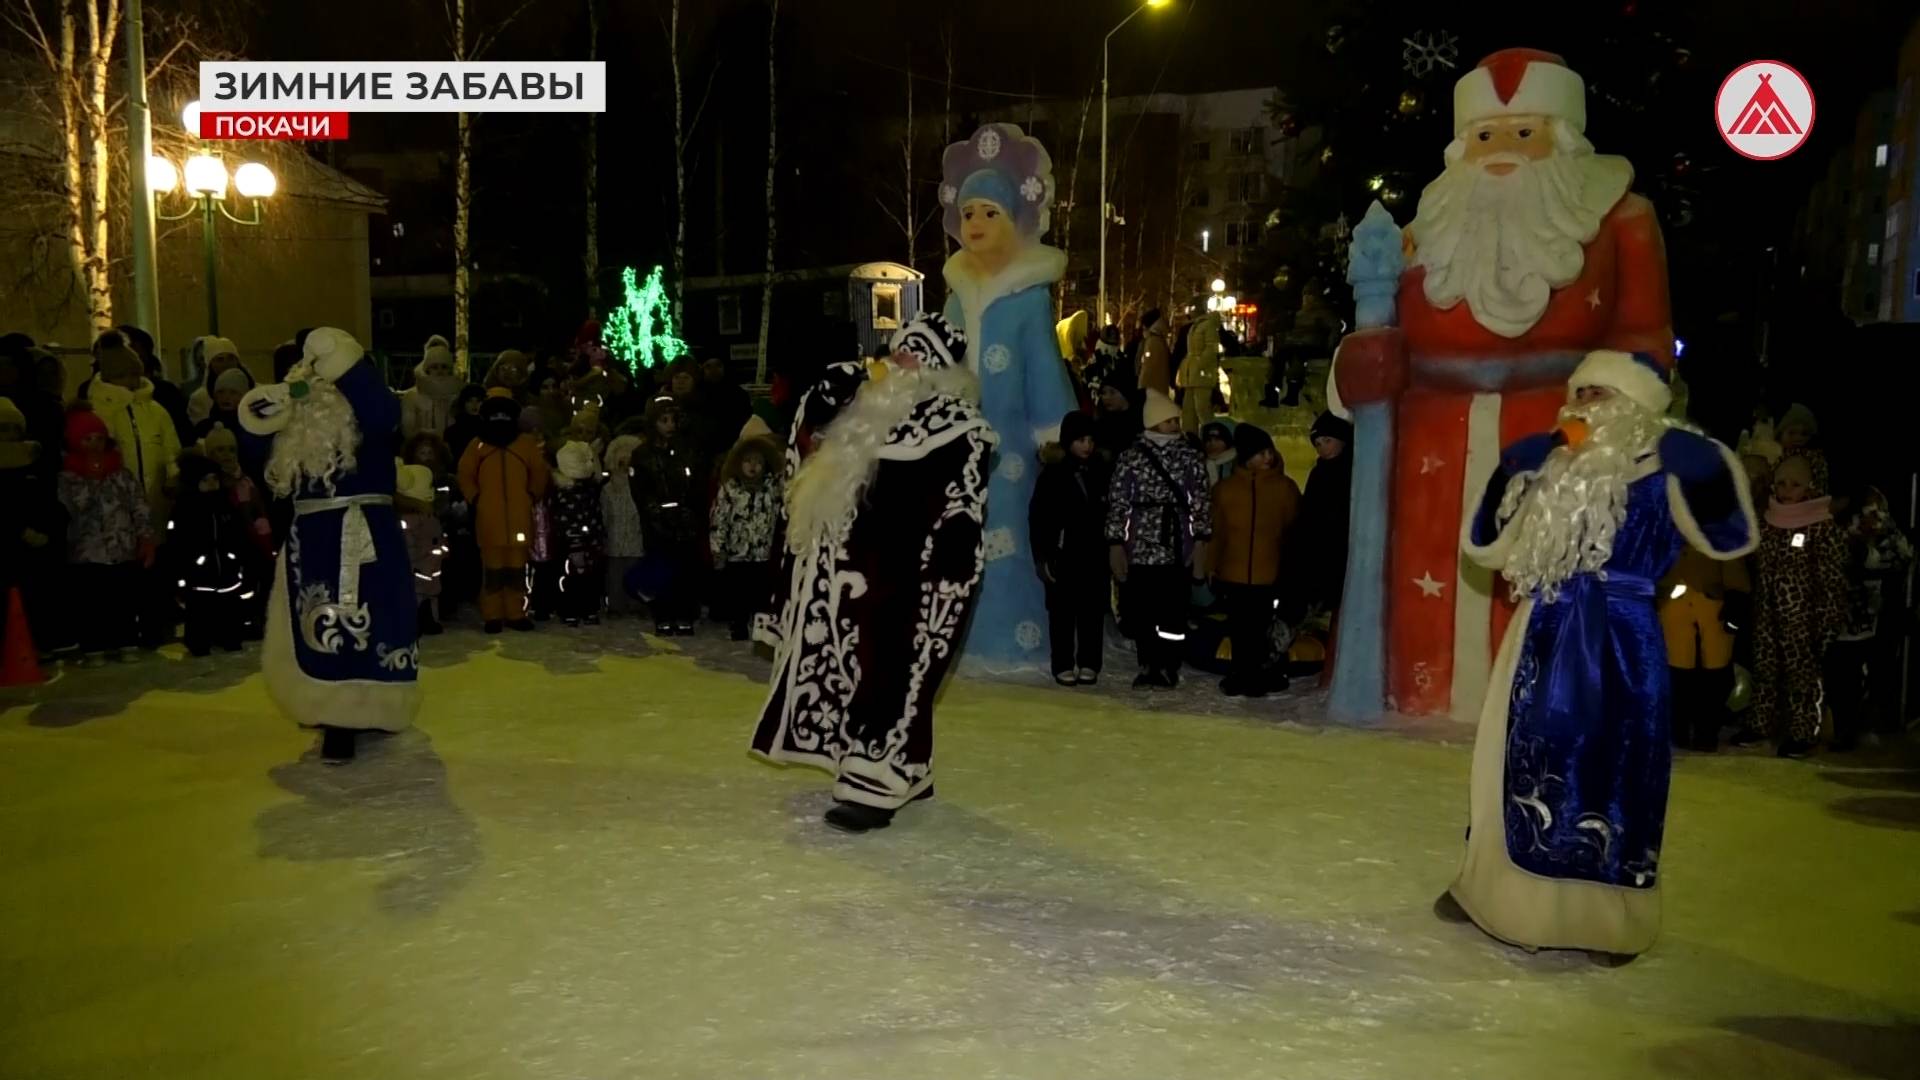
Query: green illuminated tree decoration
{"type": "Point", "coordinates": [640, 330]}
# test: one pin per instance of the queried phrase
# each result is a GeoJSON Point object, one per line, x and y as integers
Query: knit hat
{"type": "Point", "coordinates": [937, 342]}
{"type": "Point", "coordinates": [620, 452]}
{"type": "Point", "coordinates": [1158, 410]}
{"type": "Point", "coordinates": [755, 428]}
{"type": "Point", "coordinates": [82, 423]}
{"type": "Point", "coordinates": [415, 482]}
{"type": "Point", "coordinates": [210, 346]}
{"type": "Point", "coordinates": [1800, 417]}
{"type": "Point", "coordinates": [11, 415]}
{"type": "Point", "coordinates": [218, 435]}
{"type": "Point", "coordinates": [1636, 376]}
{"type": "Point", "coordinates": [1216, 429]}
{"type": "Point", "coordinates": [1075, 426]}
{"type": "Point", "coordinates": [235, 378]}
{"type": "Point", "coordinates": [436, 350]}
{"type": "Point", "coordinates": [576, 461]}
{"type": "Point", "coordinates": [117, 362]}
{"type": "Point", "coordinates": [1250, 440]}
{"type": "Point", "coordinates": [1332, 427]}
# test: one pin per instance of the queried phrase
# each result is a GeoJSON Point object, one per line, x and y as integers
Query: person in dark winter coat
{"type": "Point", "coordinates": [465, 425]}
{"type": "Point", "coordinates": [668, 488]}
{"type": "Point", "coordinates": [32, 379]}
{"type": "Point", "coordinates": [726, 404]}
{"type": "Point", "coordinates": [34, 531]}
{"type": "Point", "coordinates": [1067, 530]}
{"type": "Point", "coordinates": [1318, 566]}
{"type": "Point", "coordinates": [207, 554]}
{"type": "Point", "coordinates": [1116, 421]}
{"type": "Point", "coordinates": [1159, 519]}
{"type": "Point", "coordinates": [580, 533]}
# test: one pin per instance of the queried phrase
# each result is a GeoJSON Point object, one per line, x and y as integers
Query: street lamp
{"type": "Point", "coordinates": [1104, 42]}
{"type": "Point", "coordinates": [206, 183]}
{"type": "Point", "coordinates": [1219, 285]}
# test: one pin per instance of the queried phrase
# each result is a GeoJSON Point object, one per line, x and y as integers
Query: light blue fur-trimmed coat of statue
{"type": "Point", "coordinates": [1024, 391]}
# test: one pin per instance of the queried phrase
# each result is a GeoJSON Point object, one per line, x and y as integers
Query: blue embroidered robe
{"type": "Point", "coordinates": [344, 599]}
{"type": "Point", "coordinates": [1573, 755]}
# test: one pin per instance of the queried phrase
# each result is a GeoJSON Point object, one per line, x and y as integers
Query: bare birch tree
{"type": "Point", "coordinates": [682, 135]}
{"type": "Point", "coordinates": [78, 55]}
{"type": "Point", "coordinates": [902, 207]}
{"type": "Point", "coordinates": [773, 159]}
{"type": "Point", "coordinates": [590, 250]}
{"type": "Point", "coordinates": [1072, 203]}
{"type": "Point", "coordinates": [463, 177]}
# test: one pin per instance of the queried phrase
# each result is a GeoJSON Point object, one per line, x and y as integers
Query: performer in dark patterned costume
{"type": "Point", "coordinates": [886, 500]}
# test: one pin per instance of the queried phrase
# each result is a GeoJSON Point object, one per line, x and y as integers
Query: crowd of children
{"type": "Point", "coordinates": [1807, 615]}
{"type": "Point", "coordinates": [556, 489]}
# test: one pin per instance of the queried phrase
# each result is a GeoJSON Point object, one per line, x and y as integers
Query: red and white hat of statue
{"type": "Point", "coordinates": [1520, 82]}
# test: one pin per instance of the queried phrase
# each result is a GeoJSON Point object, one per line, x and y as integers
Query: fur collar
{"type": "Point", "coordinates": [1036, 264]}
{"type": "Point", "coordinates": [108, 396]}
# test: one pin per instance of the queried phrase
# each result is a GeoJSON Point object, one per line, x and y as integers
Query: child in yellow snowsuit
{"type": "Point", "coordinates": [1702, 602]}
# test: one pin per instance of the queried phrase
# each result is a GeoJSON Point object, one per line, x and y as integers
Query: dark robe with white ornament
{"type": "Point", "coordinates": [871, 619]}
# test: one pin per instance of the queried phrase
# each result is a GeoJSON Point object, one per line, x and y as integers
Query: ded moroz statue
{"type": "Point", "coordinates": [1528, 252]}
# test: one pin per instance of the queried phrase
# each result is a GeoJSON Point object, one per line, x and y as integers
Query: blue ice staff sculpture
{"type": "Point", "coordinates": [1375, 261]}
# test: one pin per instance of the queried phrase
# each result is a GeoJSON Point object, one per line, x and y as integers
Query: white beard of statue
{"type": "Point", "coordinates": [1564, 521]}
{"type": "Point", "coordinates": [1504, 243]}
{"type": "Point", "coordinates": [319, 441]}
{"type": "Point", "coordinates": [827, 490]}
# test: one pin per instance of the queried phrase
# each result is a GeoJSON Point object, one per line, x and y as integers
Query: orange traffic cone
{"type": "Point", "coordinates": [19, 663]}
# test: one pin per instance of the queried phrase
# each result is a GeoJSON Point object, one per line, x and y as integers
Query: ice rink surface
{"type": "Point", "coordinates": [572, 869]}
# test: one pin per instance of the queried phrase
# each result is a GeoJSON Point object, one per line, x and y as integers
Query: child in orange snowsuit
{"type": "Point", "coordinates": [1702, 602]}
{"type": "Point", "coordinates": [503, 474]}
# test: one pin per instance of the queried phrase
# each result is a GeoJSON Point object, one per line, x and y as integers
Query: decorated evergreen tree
{"type": "Point", "coordinates": [639, 333]}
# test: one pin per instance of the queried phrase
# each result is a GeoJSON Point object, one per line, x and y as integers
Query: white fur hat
{"type": "Point", "coordinates": [415, 482]}
{"type": "Point", "coordinates": [1636, 376]}
{"type": "Point", "coordinates": [1159, 409]}
{"type": "Point", "coordinates": [1520, 82]}
{"type": "Point", "coordinates": [577, 461]}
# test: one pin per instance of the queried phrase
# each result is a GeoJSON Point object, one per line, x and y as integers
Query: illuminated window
{"type": "Point", "coordinates": [886, 306]}
{"type": "Point", "coordinates": [1880, 155]}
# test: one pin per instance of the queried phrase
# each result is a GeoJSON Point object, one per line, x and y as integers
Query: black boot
{"type": "Point", "coordinates": [337, 745]}
{"type": "Point", "coordinates": [427, 623]}
{"type": "Point", "coordinates": [857, 817]}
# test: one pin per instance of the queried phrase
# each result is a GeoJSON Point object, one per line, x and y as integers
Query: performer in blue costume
{"type": "Point", "coordinates": [1570, 766]}
{"type": "Point", "coordinates": [340, 651]}
{"type": "Point", "coordinates": [998, 194]}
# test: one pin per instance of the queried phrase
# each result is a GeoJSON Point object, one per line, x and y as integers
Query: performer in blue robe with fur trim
{"type": "Point", "coordinates": [341, 650]}
{"type": "Point", "coordinates": [1572, 758]}
{"type": "Point", "coordinates": [998, 191]}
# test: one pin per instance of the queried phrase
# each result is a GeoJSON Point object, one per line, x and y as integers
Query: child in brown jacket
{"type": "Point", "coordinates": [1253, 509]}
{"type": "Point", "coordinates": [503, 474]}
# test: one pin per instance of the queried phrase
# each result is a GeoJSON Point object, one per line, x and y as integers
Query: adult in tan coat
{"type": "Point", "coordinates": [1253, 510]}
{"type": "Point", "coordinates": [503, 474]}
{"type": "Point", "coordinates": [1199, 374]}
{"type": "Point", "coordinates": [1156, 355]}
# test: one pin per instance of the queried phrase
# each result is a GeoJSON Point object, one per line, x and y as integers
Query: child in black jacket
{"type": "Point", "coordinates": [208, 551]}
{"type": "Point", "coordinates": [1067, 531]}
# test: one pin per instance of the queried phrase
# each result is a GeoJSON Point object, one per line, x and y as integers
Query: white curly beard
{"type": "Point", "coordinates": [1504, 243]}
{"type": "Point", "coordinates": [319, 442]}
{"type": "Point", "coordinates": [827, 490]}
{"type": "Point", "coordinates": [1565, 516]}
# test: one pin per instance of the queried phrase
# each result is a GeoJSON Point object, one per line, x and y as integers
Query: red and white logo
{"type": "Point", "coordinates": [1764, 110]}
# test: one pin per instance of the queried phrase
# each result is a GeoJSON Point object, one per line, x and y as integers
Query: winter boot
{"type": "Point", "coordinates": [857, 817]}
{"type": "Point", "coordinates": [337, 745]}
{"type": "Point", "coordinates": [427, 623]}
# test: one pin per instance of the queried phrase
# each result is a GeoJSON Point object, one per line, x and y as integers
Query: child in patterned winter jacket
{"type": "Point", "coordinates": [622, 520]}
{"type": "Point", "coordinates": [743, 522]}
{"type": "Point", "coordinates": [1159, 519]}
{"type": "Point", "coordinates": [414, 497]}
{"type": "Point", "coordinates": [579, 532]}
{"type": "Point", "coordinates": [109, 538]}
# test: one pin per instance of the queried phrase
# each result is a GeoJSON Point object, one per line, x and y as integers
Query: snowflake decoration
{"type": "Point", "coordinates": [1012, 468]}
{"type": "Point", "coordinates": [948, 193]}
{"type": "Point", "coordinates": [1031, 188]}
{"type": "Point", "coordinates": [1426, 51]}
{"type": "Point", "coordinates": [997, 358]}
{"type": "Point", "coordinates": [989, 144]}
{"type": "Point", "coordinates": [998, 543]}
{"type": "Point", "coordinates": [1028, 635]}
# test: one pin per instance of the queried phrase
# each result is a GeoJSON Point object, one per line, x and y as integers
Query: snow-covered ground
{"type": "Point", "coordinates": [572, 870]}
